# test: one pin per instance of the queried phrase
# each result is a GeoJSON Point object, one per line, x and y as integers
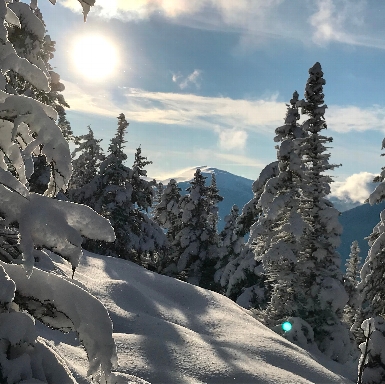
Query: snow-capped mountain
{"type": "Point", "coordinates": [234, 189]}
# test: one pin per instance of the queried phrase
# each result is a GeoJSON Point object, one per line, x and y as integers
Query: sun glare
{"type": "Point", "coordinates": [95, 57]}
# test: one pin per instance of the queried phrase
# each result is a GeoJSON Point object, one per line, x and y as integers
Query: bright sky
{"type": "Point", "coordinates": [205, 82]}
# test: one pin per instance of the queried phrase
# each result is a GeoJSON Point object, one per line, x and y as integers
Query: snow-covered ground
{"type": "Point", "coordinates": [167, 331]}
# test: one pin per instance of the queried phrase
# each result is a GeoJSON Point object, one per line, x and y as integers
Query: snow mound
{"type": "Point", "coordinates": [167, 331]}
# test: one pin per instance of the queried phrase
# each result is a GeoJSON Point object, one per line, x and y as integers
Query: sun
{"type": "Point", "coordinates": [95, 57]}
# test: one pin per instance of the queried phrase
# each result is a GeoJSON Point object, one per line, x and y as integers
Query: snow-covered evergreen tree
{"type": "Point", "coordinates": [351, 280]}
{"type": "Point", "coordinates": [167, 214]}
{"type": "Point", "coordinates": [159, 190]}
{"type": "Point", "coordinates": [243, 276]}
{"type": "Point", "coordinates": [277, 233]}
{"type": "Point", "coordinates": [31, 42]}
{"type": "Point", "coordinates": [192, 242]}
{"type": "Point", "coordinates": [371, 366]}
{"type": "Point", "coordinates": [251, 211]}
{"type": "Point", "coordinates": [28, 127]}
{"type": "Point", "coordinates": [230, 247]}
{"type": "Point", "coordinates": [319, 271]}
{"type": "Point", "coordinates": [142, 190]}
{"type": "Point", "coordinates": [209, 265]}
{"type": "Point", "coordinates": [371, 288]}
{"type": "Point", "coordinates": [121, 194]}
{"type": "Point", "coordinates": [214, 198]}
{"type": "Point", "coordinates": [87, 158]}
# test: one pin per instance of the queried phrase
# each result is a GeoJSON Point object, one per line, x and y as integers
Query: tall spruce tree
{"type": "Point", "coordinates": [214, 198]}
{"type": "Point", "coordinates": [230, 247]}
{"type": "Point", "coordinates": [121, 194]}
{"type": "Point", "coordinates": [371, 288]}
{"type": "Point", "coordinates": [278, 231]}
{"type": "Point", "coordinates": [192, 242]}
{"type": "Point", "coordinates": [351, 280]}
{"type": "Point", "coordinates": [244, 275]}
{"type": "Point", "coordinates": [167, 214]}
{"type": "Point", "coordinates": [319, 271]}
{"type": "Point", "coordinates": [87, 158]}
{"type": "Point", "coordinates": [158, 193]}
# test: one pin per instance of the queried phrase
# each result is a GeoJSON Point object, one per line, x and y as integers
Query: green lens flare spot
{"type": "Point", "coordinates": [286, 326]}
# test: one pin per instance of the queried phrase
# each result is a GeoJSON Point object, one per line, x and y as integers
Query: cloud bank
{"type": "Point", "coordinates": [356, 187]}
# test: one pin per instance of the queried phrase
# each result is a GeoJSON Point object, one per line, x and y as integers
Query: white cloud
{"type": "Point", "coordinates": [351, 118]}
{"type": "Point", "coordinates": [232, 138]}
{"type": "Point", "coordinates": [190, 110]}
{"type": "Point", "coordinates": [231, 11]}
{"type": "Point", "coordinates": [261, 116]}
{"type": "Point", "coordinates": [356, 187]}
{"type": "Point", "coordinates": [352, 22]}
{"type": "Point", "coordinates": [192, 78]}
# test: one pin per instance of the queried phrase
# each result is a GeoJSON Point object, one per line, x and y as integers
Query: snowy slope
{"type": "Point", "coordinates": [168, 331]}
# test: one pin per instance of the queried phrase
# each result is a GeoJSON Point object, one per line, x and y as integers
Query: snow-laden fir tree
{"type": "Point", "coordinates": [371, 288]}
{"type": "Point", "coordinates": [213, 198]}
{"type": "Point", "coordinates": [192, 242]}
{"type": "Point", "coordinates": [31, 42]}
{"type": "Point", "coordinates": [243, 276]}
{"type": "Point", "coordinates": [122, 195]}
{"type": "Point", "coordinates": [371, 366]}
{"type": "Point", "coordinates": [159, 190]}
{"type": "Point", "coordinates": [351, 279]}
{"type": "Point", "coordinates": [29, 293]}
{"type": "Point", "coordinates": [142, 190]}
{"type": "Point", "coordinates": [277, 233]}
{"type": "Point", "coordinates": [209, 265]}
{"type": "Point", "coordinates": [230, 247]}
{"type": "Point", "coordinates": [251, 211]}
{"type": "Point", "coordinates": [319, 273]}
{"type": "Point", "coordinates": [87, 157]}
{"type": "Point", "coordinates": [167, 215]}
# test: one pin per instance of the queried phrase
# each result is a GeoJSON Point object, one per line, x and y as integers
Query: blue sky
{"type": "Point", "coordinates": [205, 82]}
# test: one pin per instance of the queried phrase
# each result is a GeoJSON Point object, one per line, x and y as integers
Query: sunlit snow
{"type": "Point", "coordinates": [167, 331]}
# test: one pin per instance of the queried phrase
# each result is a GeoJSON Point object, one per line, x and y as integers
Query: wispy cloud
{"type": "Point", "coordinates": [351, 118]}
{"type": "Point", "coordinates": [130, 9]}
{"type": "Point", "coordinates": [234, 117]}
{"type": "Point", "coordinates": [193, 78]}
{"type": "Point", "coordinates": [353, 22]}
{"type": "Point", "coordinates": [333, 20]}
{"type": "Point", "coordinates": [356, 187]}
{"type": "Point", "coordinates": [182, 109]}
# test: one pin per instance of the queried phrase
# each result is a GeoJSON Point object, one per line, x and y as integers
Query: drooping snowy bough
{"type": "Point", "coordinates": [27, 128]}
